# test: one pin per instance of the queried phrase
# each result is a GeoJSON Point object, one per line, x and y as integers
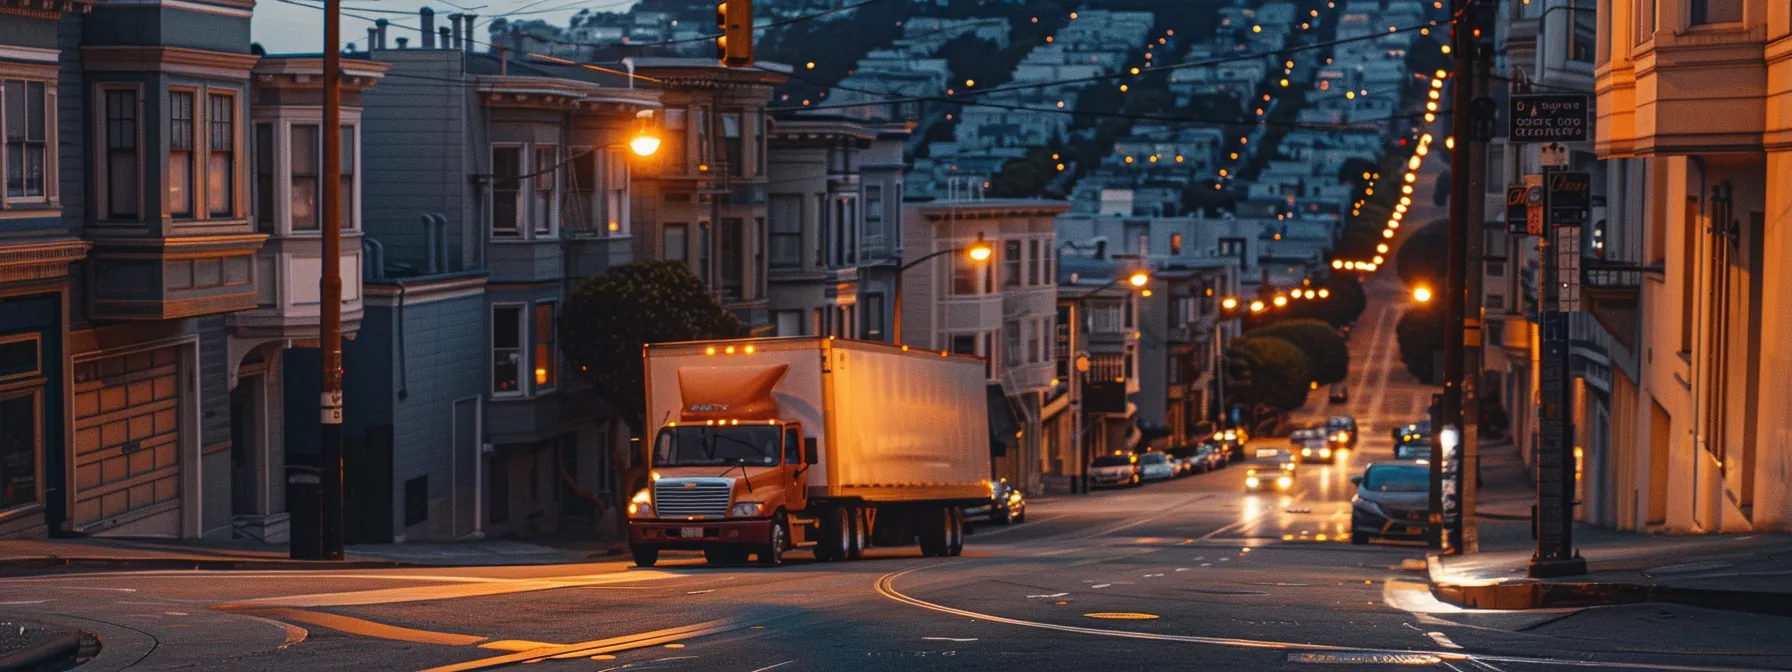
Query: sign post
{"type": "Point", "coordinates": [1565, 200]}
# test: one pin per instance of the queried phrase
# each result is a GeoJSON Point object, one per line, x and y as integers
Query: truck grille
{"type": "Point", "coordinates": [681, 499]}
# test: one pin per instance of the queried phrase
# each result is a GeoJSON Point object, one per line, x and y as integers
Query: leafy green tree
{"type": "Point", "coordinates": [1420, 334]}
{"type": "Point", "coordinates": [1328, 357]}
{"type": "Point", "coordinates": [1025, 178]}
{"type": "Point", "coordinates": [610, 317]}
{"type": "Point", "coordinates": [1421, 259]}
{"type": "Point", "coordinates": [1266, 371]}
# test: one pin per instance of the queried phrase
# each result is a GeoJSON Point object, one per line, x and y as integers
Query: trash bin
{"type": "Point", "coordinates": [304, 503]}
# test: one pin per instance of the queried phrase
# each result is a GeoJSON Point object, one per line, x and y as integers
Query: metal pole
{"type": "Point", "coordinates": [1554, 513]}
{"type": "Point", "coordinates": [330, 285]}
{"type": "Point", "coordinates": [1455, 287]}
{"type": "Point", "coordinates": [896, 304]}
{"type": "Point", "coordinates": [1465, 537]}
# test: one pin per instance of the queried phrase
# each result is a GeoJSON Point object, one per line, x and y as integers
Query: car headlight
{"type": "Point", "coordinates": [745, 510]}
{"type": "Point", "coordinates": [1284, 482]}
{"type": "Point", "coordinates": [1231, 436]}
{"type": "Point", "coordinates": [1252, 482]}
{"type": "Point", "coordinates": [641, 504]}
{"type": "Point", "coordinates": [1219, 436]}
{"type": "Point", "coordinates": [1306, 452]}
{"type": "Point", "coordinates": [1325, 452]}
{"type": "Point", "coordinates": [1368, 506]}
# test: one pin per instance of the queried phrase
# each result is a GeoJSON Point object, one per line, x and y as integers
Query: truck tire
{"type": "Point", "coordinates": [835, 528]}
{"type": "Point", "coordinates": [932, 526]}
{"type": "Point", "coordinates": [645, 556]}
{"type": "Point", "coordinates": [861, 536]}
{"type": "Point", "coordinates": [772, 554]}
{"type": "Point", "coordinates": [955, 531]}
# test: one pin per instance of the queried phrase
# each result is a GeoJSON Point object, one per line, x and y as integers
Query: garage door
{"type": "Point", "coordinates": [127, 466]}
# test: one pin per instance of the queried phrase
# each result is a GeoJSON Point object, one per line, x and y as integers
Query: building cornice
{"type": "Point", "coordinates": [40, 259]}
{"type": "Point", "coordinates": [177, 60]}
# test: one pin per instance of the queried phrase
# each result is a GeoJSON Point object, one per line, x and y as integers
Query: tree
{"type": "Point", "coordinates": [1025, 178]}
{"type": "Point", "coordinates": [1264, 370]}
{"type": "Point", "coordinates": [1420, 334]}
{"type": "Point", "coordinates": [1422, 258]}
{"type": "Point", "coordinates": [611, 316]}
{"type": "Point", "coordinates": [1328, 357]}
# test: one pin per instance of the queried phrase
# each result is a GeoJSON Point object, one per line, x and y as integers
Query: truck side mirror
{"type": "Point", "coordinates": [809, 454]}
{"type": "Point", "coordinates": [1356, 480]}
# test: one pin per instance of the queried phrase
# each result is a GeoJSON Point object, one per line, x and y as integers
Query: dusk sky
{"type": "Point", "coordinates": [296, 26]}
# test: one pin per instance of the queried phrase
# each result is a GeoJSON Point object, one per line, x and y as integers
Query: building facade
{"type": "Point", "coordinates": [489, 200]}
{"type": "Point", "coordinates": [1002, 309]}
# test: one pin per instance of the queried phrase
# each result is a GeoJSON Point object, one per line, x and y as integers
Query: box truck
{"type": "Point", "coordinates": [761, 446]}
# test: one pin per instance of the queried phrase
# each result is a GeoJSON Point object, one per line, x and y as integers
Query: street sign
{"type": "Point", "coordinates": [1518, 210]}
{"type": "Point", "coordinates": [1570, 197]}
{"type": "Point", "coordinates": [1550, 117]}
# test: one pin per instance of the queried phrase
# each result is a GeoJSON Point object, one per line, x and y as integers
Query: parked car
{"type": "Point", "coordinates": [1420, 429]}
{"type": "Point", "coordinates": [1155, 467]}
{"type": "Point", "coordinates": [1006, 505]}
{"type": "Point", "coordinates": [1214, 455]}
{"type": "Point", "coordinates": [1112, 471]}
{"type": "Point", "coordinates": [1233, 440]}
{"type": "Point", "coordinates": [1392, 501]}
{"type": "Point", "coordinates": [1340, 393]}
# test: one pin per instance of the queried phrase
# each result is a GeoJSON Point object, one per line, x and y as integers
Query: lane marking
{"type": "Point", "coordinates": [442, 592]}
{"type": "Point", "coordinates": [1048, 596]}
{"type": "Point", "coordinates": [885, 586]}
{"type": "Point", "coordinates": [1442, 640]}
{"type": "Point", "coordinates": [1122, 616]}
{"type": "Point", "coordinates": [600, 646]}
{"type": "Point", "coordinates": [366, 628]}
{"type": "Point", "coordinates": [950, 639]}
{"type": "Point", "coordinates": [773, 667]}
{"type": "Point", "coordinates": [514, 645]}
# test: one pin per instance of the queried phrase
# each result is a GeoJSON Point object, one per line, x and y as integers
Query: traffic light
{"type": "Point", "coordinates": [734, 47]}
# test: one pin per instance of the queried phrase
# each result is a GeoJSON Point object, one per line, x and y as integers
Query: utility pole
{"type": "Point", "coordinates": [1462, 92]}
{"type": "Point", "coordinates": [330, 285]}
{"type": "Point", "coordinates": [1464, 537]}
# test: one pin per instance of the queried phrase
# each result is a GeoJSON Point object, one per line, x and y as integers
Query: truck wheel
{"type": "Point", "coordinates": [930, 526]}
{"type": "Point", "coordinates": [861, 536]}
{"type": "Point", "coordinates": [955, 531]}
{"type": "Point", "coordinates": [645, 556]}
{"type": "Point", "coordinates": [772, 554]}
{"type": "Point", "coordinates": [836, 535]}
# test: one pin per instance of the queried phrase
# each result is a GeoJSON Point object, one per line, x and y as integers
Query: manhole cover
{"type": "Point", "coordinates": [1122, 616]}
{"type": "Point", "coordinates": [1364, 658]}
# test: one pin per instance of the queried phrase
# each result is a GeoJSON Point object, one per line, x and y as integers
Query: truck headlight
{"type": "Point", "coordinates": [641, 504]}
{"type": "Point", "coordinates": [1252, 482]}
{"type": "Point", "coordinates": [1325, 452]}
{"type": "Point", "coordinates": [745, 510]}
{"type": "Point", "coordinates": [1284, 482]}
{"type": "Point", "coordinates": [1306, 452]}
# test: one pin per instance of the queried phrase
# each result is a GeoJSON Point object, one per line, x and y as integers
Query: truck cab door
{"type": "Point", "coordinates": [796, 467]}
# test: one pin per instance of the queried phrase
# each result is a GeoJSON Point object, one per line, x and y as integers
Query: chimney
{"type": "Point", "coordinates": [454, 20]}
{"type": "Point", "coordinates": [380, 26]}
{"type": "Point", "coordinates": [442, 36]}
{"type": "Point", "coordinates": [402, 41]}
{"type": "Point", "coordinates": [428, 18]}
{"type": "Point", "coordinates": [503, 60]}
{"type": "Point", "coordinates": [471, 20]}
{"type": "Point", "coordinates": [373, 35]}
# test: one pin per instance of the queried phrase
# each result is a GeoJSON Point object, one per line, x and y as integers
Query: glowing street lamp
{"type": "Point", "coordinates": [1421, 294]}
{"type": "Point", "coordinates": [1229, 303]}
{"type": "Point", "coordinates": [980, 250]}
{"type": "Point", "coordinates": [644, 143]}
{"type": "Point", "coordinates": [1281, 301]}
{"type": "Point", "coordinates": [1256, 306]}
{"type": "Point", "coordinates": [1139, 278]}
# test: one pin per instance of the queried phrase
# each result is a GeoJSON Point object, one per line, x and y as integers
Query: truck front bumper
{"type": "Point", "coordinates": [697, 534]}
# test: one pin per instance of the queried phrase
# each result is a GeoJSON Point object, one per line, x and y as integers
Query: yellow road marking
{"type": "Point", "coordinates": [1121, 616]}
{"type": "Point", "coordinates": [601, 646]}
{"type": "Point", "coordinates": [516, 645]}
{"type": "Point", "coordinates": [366, 628]}
{"type": "Point", "coordinates": [445, 592]}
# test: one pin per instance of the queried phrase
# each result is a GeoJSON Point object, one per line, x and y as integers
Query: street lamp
{"type": "Point", "coordinates": [644, 143]}
{"type": "Point", "coordinates": [1256, 306]}
{"type": "Point", "coordinates": [978, 251]}
{"type": "Point", "coordinates": [1421, 294]}
{"type": "Point", "coordinates": [1139, 278]}
{"type": "Point", "coordinates": [1229, 303]}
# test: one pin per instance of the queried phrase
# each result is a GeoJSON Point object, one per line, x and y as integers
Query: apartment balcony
{"type": "Point", "coordinates": [1610, 292]}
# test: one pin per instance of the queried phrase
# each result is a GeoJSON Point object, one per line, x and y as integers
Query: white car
{"type": "Point", "coordinates": [1156, 467]}
{"type": "Point", "coordinates": [1110, 471]}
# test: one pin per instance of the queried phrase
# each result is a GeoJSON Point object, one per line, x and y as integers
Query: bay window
{"type": "Point", "coordinates": [348, 178]}
{"type": "Point", "coordinates": [507, 350]}
{"type": "Point", "coordinates": [121, 169]}
{"type": "Point", "coordinates": [220, 165]}
{"type": "Point", "coordinates": [545, 360]}
{"type": "Point", "coordinates": [180, 153]}
{"type": "Point", "coordinates": [542, 211]}
{"type": "Point", "coordinates": [264, 178]}
{"type": "Point", "coordinates": [303, 159]}
{"type": "Point", "coordinates": [507, 165]}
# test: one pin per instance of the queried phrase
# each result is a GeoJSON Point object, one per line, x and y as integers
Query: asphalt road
{"type": "Point", "coordinates": [1189, 574]}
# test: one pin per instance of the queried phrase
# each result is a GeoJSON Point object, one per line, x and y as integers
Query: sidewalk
{"type": "Point", "coordinates": [1750, 573]}
{"type": "Point", "coordinates": [25, 556]}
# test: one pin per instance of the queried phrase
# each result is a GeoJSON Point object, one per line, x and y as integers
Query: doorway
{"type": "Point", "coordinates": [246, 445]}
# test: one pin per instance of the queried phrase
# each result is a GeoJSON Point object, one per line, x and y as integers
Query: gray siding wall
{"type": "Point", "coordinates": [446, 360]}
{"type": "Point", "coordinates": [214, 384]}
{"type": "Point", "coordinates": [415, 149]}
{"type": "Point", "coordinates": [168, 27]}
{"type": "Point", "coordinates": [71, 117]}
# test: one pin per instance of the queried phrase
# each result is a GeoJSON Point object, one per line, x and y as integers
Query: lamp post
{"type": "Point", "coordinates": [1137, 280]}
{"type": "Point", "coordinates": [978, 251]}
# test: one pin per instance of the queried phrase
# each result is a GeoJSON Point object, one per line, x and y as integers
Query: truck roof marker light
{"type": "Point", "coordinates": [905, 348]}
{"type": "Point", "coordinates": [729, 350]}
{"type": "Point", "coordinates": [655, 475]}
{"type": "Point", "coordinates": [709, 350]}
{"type": "Point", "coordinates": [943, 353]}
{"type": "Point", "coordinates": [672, 424]}
{"type": "Point", "coordinates": [749, 349]}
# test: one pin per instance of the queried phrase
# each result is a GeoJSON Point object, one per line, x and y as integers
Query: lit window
{"type": "Point", "coordinates": [180, 154]}
{"type": "Point", "coordinates": [546, 361]}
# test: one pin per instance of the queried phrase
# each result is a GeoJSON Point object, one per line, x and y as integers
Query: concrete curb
{"type": "Point", "coordinates": [55, 652]}
{"type": "Point", "coordinates": [26, 566]}
{"type": "Point", "coordinates": [1534, 594]}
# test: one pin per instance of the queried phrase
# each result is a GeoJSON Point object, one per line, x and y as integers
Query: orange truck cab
{"type": "Point", "coordinates": [769, 445]}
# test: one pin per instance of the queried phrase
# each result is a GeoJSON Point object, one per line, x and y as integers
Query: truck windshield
{"type": "Point", "coordinates": [701, 446]}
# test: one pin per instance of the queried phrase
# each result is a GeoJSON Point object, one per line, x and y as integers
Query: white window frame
{"type": "Point", "coordinates": [51, 183]}
{"type": "Point", "coordinates": [534, 168]}
{"type": "Point", "coordinates": [523, 371]}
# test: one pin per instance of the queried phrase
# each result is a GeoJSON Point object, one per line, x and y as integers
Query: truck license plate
{"type": "Point", "coordinates": [690, 532]}
{"type": "Point", "coordinates": [1415, 530]}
